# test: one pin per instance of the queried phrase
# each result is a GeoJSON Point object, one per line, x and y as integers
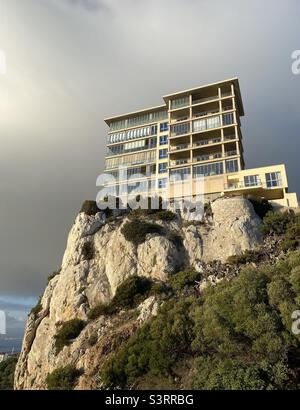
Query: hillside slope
{"type": "Point", "coordinates": [98, 259]}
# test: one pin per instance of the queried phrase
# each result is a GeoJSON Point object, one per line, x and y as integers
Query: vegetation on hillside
{"type": "Point", "coordinates": [129, 294]}
{"type": "Point", "coordinates": [235, 335]}
{"type": "Point", "coordinates": [63, 378]}
{"type": "Point", "coordinates": [67, 332]}
{"type": "Point", "coordinates": [7, 370]}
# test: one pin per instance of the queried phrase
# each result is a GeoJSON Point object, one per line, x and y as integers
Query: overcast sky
{"type": "Point", "coordinates": [71, 63]}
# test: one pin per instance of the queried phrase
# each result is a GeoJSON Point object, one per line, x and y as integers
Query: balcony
{"type": "Point", "coordinates": [208, 157]}
{"type": "Point", "coordinates": [207, 142]}
{"type": "Point", "coordinates": [241, 185]}
{"type": "Point", "coordinates": [180, 129]}
{"type": "Point", "coordinates": [230, 137]}
{"type": "Point", "coordinates": [206, 99]}
{"type": "Point", "coordinates": [179, 147]}
{"type": "Point", "coordinates": [181, 161]}
{"type": "Point", "coordinates": [231, 153]}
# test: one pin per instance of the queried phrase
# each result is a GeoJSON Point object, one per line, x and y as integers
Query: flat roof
{"type": "Point", "coordinates": [233, 80]}
{"type": "Point", "coordinates": [134, 113]}
{"type": "Point", "coordinates": [166, 98]}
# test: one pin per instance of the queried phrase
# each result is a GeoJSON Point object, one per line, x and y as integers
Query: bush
{"type": "Point", "coordinates": [154, 348]}
{"type": "Point", "coordinates": [68, 331]}
{"type": "Point", "coordinates": [248, 256]}
{"type": "Point", "coordinates": [63, 378]}
{"type": "Point", "coordinates": [88, 251]}
{"type": "Point", "coordinates": [135, 231]}
{"type": "Point", "coordinates": [166, 215]}
{"type": "Point", "coordinates": [99, 310]}
{"type": "Point", "coordinates": [277, 222]}
{"type": "Point", "coordinates": [261, 207]}
{"type": "Point", "coordinates": [183, 278]}
{"type": "Point", "coordinates": [90, 208]}
{"type": "Point", "coordinates": [291, 240]}
{"type": "Point", "coordinates": [7, 371]}
{"type": "Point", "coordinates": [128, 295]}
{"type": "Point", "coordinates": [237, 335]}
{"type": "Point", "coordinates": [131, 292]}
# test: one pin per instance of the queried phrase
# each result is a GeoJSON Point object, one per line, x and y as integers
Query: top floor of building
{"type": "Point", "coordinates": [204, 101]}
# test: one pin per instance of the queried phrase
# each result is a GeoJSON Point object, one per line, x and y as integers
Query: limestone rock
{"type": "Point", "coordinates": [97, 259]}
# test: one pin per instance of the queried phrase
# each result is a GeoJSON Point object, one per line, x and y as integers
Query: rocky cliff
{"type": "Point", "coordinates": [97, 260]}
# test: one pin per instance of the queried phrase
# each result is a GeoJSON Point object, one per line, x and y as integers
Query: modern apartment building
{"type": "Point", "coordinates": [194, 132]}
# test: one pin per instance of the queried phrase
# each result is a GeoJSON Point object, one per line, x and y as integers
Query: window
{"type": "Point", "coordinates": [162, 167]}
{"type": "Point", "coordinates": [209, 123]}
{"type": "Point", "coordinates": [180, 102]}
{"type": "Point", "coordinates": [180, 129]}
{"type": "Point", "coordinates": [162, 183]}
{"type": "Point", "coordinates": [228, 119]}
{"type": "Point", "coordinates": [164, 127]}
{"type": "Point", "coordinates": [213, 122]}
{"type": "Point", "coordinates": [215, 168]}
{"type": "Point", "coordinates": [154, 129]}
{"type": "Point", "coordinates": [182, 173]}
{"type": "Point", "coordinates": [163, 140]}
{"type": "Point", "coordinates": [251, 180]}
{"type": "Point", "coordinates": [163, 153]}
{"type": "Point", "coordinates": [273, 179]}
{"type": "Point", "coordinates": [232, 165]}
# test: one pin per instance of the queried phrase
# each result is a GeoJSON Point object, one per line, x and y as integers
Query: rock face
{"type": "Point", "coordinates": [97, 260]}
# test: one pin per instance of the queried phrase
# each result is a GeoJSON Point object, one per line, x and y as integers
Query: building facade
{"type": "Point", "coordinates": [195, 133]}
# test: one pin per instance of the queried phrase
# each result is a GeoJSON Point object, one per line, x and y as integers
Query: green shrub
{"type": "Point", "coordinates": [7, 371]}
{"type": "Point", "coordinates": [63, 378]}
{"type": "Point", "coordinates": [237, 335]}
{"type": "Point", "coordinates": [88, 251]}
{"type": "Point", "coordinates": [166, 215]}
{"type": "Point", "coordinates": [291, 240]}
{"type": "Point", "coordinates": [128, 295]}
{"type": "Point", "coordinates": [68, 331]}
{"type": "Point", "coordinates": [261, 207]}
{"type": "Point", "coordinates": [99, 310]}
{"type": "Point", "coordinates": [154, 348]}
{"type": "Point", "coordinates": [248, 256]}
{"type": "Point", "coordinates": [131, 292]}
{"type": "Point", "coordinates": [135, 231]}
{"type": "Point", "coordinates": [183, 278]}
{"type": "Point", "coordinates": [92, 340]}
{"type": "Point", "coordinates": [277, 222]}
{"type": "Point", "coordinates": [90, 208]}
{"type": "Point", "coordinates": [159, 288]}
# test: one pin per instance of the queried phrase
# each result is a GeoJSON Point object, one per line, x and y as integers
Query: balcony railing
{"type": "Point", "coordinates": [180, 161]}
{"type": "Point", "coordinates": [230, 137]}
{"type": "Point", "coordinates": [180, 146]}
{"type": "Point", "coordinates": [200, 158]}
{"type": "Point", "coordinates": [206, 142]}
{"type": "Point", "coordinates": [242, 185]}
{"type": "Point", "coordinates": [202, 100]}
{"type": "Point", "coordinates": [230, 153]}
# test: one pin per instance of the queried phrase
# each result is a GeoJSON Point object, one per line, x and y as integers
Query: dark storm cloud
{"type": "Point", "coordinates": [70, 66]}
